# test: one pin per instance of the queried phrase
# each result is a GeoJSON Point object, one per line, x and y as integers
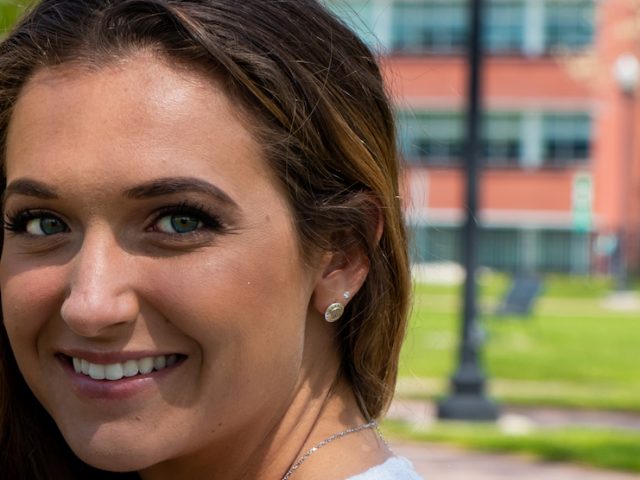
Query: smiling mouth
{"type": "Point", "coordinates": [126, 369]}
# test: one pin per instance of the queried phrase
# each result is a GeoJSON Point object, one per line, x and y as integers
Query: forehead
{"type": "Point", "coordinates": [140, 108]}
{"type": "Point", "coordinates": [138, 86]}
{"type": "Point", "coordinates": [138, 81]}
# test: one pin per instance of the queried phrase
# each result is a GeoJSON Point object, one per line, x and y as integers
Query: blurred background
{"type": "Point", "coordinates": [560, 190]}
{"type": "Point", "coordinates": [556, 314]}
{"type": "Point", "coordinates": [555, 324]}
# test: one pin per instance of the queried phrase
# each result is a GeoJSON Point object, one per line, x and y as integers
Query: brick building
{"type": "Point", "coordinates": [561, 183]}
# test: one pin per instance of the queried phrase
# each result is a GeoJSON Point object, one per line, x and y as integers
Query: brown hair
{"type": "Point", "coordinates": [324, 119]}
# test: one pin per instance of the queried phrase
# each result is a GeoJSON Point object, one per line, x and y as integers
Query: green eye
{"type": "Point", "coordinates": [45, 226]}
{"type": "Point", "coordinates": [179, 224]}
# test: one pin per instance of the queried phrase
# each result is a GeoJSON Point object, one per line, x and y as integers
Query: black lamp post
{"type": "Point", "coordinates": [467, 400]}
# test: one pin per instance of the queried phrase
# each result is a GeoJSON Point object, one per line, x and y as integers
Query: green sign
{"type": "Point", "coordinates": [582, 202]}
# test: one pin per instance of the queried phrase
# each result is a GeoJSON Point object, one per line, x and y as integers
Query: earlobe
{"type": "Point", "coordinates": [342, 277]}
{"type": "Point", "coordinates": [335, 311]}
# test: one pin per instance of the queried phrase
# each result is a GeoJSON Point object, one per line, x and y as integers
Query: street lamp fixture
{"type": "Point", "coordinates": [626, 71]}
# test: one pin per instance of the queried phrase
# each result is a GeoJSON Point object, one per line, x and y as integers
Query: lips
{"type": "Point", "coordinates": [118, 370]}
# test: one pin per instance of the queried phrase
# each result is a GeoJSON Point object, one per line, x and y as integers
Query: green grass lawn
{"type": "Point", "coordinates": [9, 11]}
{"type": "Point", "coordinates": [571, 352]}
{"type": "Point", "coordinates": [616, 450]}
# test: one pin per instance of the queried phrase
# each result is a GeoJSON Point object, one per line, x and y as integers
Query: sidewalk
{"type": "Point", "coordinates": [424, 413]}
{"type": "Point", "coordinates": [438, 462]}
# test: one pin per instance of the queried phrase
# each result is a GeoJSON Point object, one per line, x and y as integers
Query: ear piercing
{"type": "Point", "coordinates": [335, 311]}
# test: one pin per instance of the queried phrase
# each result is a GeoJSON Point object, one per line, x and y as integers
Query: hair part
{"type": "Point", "coordinates": [320, 111]}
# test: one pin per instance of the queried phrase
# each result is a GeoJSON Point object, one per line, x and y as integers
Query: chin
{"type": "Point", "coordinates": [115, 459]}
{"type": "Point", "coordinates": [113, 453]}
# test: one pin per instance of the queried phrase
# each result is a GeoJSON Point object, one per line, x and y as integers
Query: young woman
{"type": "Point", "coordinates": [203, 269]}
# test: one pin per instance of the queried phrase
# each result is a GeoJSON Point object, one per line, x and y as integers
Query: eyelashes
{"type": "Point", "coordinates": [180, 221]}
{"type": "Point", "coordinates": [30, 221]}
{"type": "Point", "coordinates": [184, 219]}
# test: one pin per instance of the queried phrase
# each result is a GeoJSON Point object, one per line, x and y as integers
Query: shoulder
{"type": "Point", "coordinates": [395, 468]}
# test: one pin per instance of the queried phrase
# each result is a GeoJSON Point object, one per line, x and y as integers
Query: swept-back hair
{"type": "Point", "coordinates": [316, 102]}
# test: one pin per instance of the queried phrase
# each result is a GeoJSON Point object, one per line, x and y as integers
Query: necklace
{"type": "Point", "coordinates": [335, 436]}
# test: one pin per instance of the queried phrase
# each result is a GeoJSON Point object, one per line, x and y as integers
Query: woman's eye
{"type": "Point", "coordinates": [42, 226]}
{"type": "Point", "coordinates": [179, 224]}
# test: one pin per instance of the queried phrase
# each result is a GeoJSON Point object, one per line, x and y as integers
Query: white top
{"type": "Point", "coordinates": [396, 468]}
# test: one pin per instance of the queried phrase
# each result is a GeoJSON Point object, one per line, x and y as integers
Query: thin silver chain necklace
{"type": "Point", "coordinates": [335, 436]}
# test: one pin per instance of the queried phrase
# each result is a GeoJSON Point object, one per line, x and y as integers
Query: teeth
{"type": "Point", "coordinates": [159, 362]}
{"type": "Point", "coordinates": [96, 371]}
{"type": "Point", "coordinates": [130, 368]}
{"type": "Point", "coordinates": [145, 365]}
{"type": "Point", "coordinates": [114, 371]}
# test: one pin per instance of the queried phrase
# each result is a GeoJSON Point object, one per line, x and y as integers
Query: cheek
{"type": "Point", "coordinates": [242, 305]}
{"type": "Point", "coordinates": [231, 306]}
{"type": "Point", "coordinates": [236, 286]}
{"type": "Point", "coordinates": [29, 298]}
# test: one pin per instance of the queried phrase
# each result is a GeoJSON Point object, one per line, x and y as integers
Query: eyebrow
{"type": "Point", "coordinates": [154, 188]}
{"type": "Point", "coordinates": [171, 185]}
{"type": "Point", "coordinates": [30, 188]}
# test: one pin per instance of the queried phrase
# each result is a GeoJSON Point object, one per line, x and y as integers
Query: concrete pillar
{"type": "Point", "coordinates": [534, 34]}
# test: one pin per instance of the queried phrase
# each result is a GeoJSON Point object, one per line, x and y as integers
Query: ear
{"type": "Point", "coordinates": [342, 274]}
{"type": "Point", "coordinates": [344, 270]}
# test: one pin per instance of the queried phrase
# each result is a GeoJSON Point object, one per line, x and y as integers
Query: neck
{"type": "Point", "coordinates": [270, 440]}
{"type": "Point", "coordinates": [307, 424]}
{"type": "Point", "coordinates": [268, 444]}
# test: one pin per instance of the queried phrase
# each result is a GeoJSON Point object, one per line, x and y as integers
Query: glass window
{"type": "Point", "coordinates": [566, 138]}
{"type": "Point", "coordinates": [499, 248]}
{"type": "Point", "coordinates": [504, 31]}
{"type": "Point", "coordinates": [569, 24]}
{"type": "Point", "coordinates": [432, 137]}
{"type": "Point", "coordinates": [437, 138]}
{"type": "Point", "coordinates": [563, 251]}
{"type": "Point", "coordinates": [440, 27]}
{"type": "Point", "coordinates": [503, 249]}
{"type": "Point", "coordinates": [359, 16]}
{"type": "Point", "coordinates": [436, 26]}
{"type": "Point", "coordinates": [442, 244]}
{"type": "Point", "coordinates": [502, 142]}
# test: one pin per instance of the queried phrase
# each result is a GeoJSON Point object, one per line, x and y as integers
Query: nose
{"type": "Point", "coordinates": [100, 297]}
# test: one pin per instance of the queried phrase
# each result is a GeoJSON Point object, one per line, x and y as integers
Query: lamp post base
{"type": "Point", "coordinates": [461, 406]}
{"type": "Point", "coordinates": [467, 400]}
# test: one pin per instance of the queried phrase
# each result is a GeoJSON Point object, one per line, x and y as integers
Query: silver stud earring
{"type": "Point", "coordinates": [334, 312]}
{"type": "Point", "coordinates": [346, 295]}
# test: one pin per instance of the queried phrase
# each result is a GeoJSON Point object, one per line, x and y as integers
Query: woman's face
{"type": "Point", "coordinates": [148, 242]}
